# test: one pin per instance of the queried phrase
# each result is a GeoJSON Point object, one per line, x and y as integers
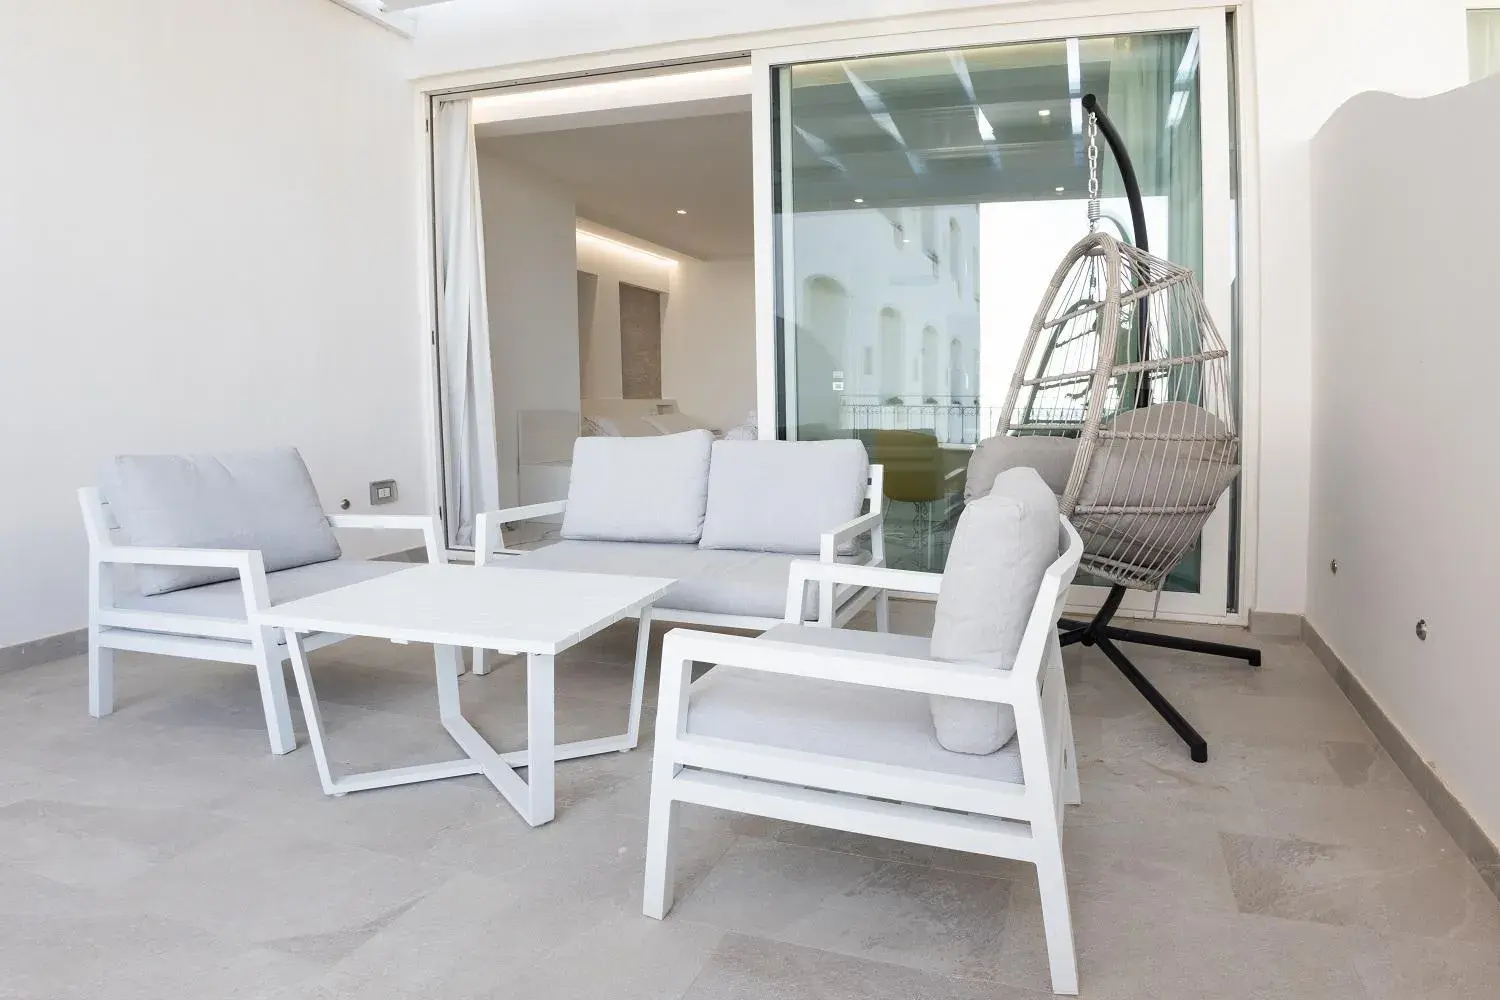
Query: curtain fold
{"type": "Point", "coordinates": [471, 474]}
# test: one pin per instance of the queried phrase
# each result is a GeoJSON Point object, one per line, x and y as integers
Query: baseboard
{"type": "Point", "coordinates": [1450, 812]}
{"type": "Point", "coordinates": [1275, 625]}
{"type": "Point", "coordinates": [44, 650]}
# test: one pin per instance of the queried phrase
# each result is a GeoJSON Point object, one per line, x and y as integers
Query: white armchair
{"type": "Point", "coordinates": [213, 621]}
{"type": "Point", "coordinates": [833, 727]}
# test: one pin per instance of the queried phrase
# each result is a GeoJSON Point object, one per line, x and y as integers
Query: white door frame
{"type": "Point", "coordinates": [1211, 602]}
{"type": "Point", "coordinates": [1004, 20]}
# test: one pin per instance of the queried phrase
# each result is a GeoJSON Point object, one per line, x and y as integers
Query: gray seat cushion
{"type": "Point", "coordinates": [227, 600]}
{"type": "Point", "coordinates": [781, 496]}
{"type": "Point", "coordinates": [262, 500]}
{"type": "Point", "coordinates": [638, 489]}
{"type": "Point", "coordinates": [828, 717]}
{"type": "Point", "coordinates": [714, 581]}
{"type": "Point", "coordinates": [1001, 549]}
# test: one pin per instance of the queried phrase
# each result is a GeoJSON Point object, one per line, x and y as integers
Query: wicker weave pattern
{"type": "Point", "coordinates": [1123, 356]}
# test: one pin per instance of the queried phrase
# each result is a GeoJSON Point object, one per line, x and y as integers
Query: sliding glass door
{"type": "Point", "coordinates": [922, 198]}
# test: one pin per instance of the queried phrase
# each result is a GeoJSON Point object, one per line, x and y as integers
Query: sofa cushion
{"type": "Point", "coordinates": [650, 489]}
{"type": "Point", "coordinates": [708, 580]}
{"type": "Point", "coordinates": [828, 717]}
{"type": "Point", "coordinates": [227, 599]}
{"type": "Point", "coordinates": [262, 500]}
{"type": "Point", "coordinates": [781, 496]}
{"type": "Point", "coordinates": [1150, 472]}
{"type": "Point", "coordinates": [1001, 549]}
{"type": "Point", "coordinates": [1051, 457]}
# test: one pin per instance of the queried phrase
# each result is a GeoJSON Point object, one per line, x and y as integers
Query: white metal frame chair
{"type": "Point", "coordinates": [222, 640]}
{"type": "Point", "coordinates": [1005, 819]}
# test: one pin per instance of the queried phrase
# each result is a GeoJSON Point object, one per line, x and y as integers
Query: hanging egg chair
{"type": "Point", "coordinates": [1123, 402]}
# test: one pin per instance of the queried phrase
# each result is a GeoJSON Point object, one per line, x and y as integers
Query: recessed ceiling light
{"type": "Point", "coordinates": [1045, 113]}
{"type": "Point", "coordinates": [859, 201]}
{"type": "Point", "coordinates": [1061, 190]}
{"type": "Point", "coordinates": [682, 211]}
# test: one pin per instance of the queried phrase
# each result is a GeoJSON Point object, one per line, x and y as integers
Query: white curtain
{"type": "Point", "coordinates": [1484, 43]}
{"type": "Point", "coordinates": [472, 475]}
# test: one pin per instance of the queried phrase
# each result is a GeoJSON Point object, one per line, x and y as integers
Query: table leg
{"type": "Point", "coordinates": [310, 712]}
{"type": "Point", "coordinates": [638, 683]}
{"type": "Point", "coordinates": [541, 756]}
{"type": "Point", "coordinates": [449, 662]}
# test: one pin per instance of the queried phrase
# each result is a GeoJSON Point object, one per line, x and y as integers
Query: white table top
{"type": "Point", "coordinates": [515, 610]}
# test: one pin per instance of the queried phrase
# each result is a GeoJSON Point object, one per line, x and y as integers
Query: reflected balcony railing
{"type": "Point", "coordinates": [953, 421]}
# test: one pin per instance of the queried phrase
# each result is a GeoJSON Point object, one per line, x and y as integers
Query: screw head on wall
{"type": "Point", "coordinates": [344, 504]}
{"type": "Point", "coordinates": [1333, 567]}
{"type": "Point", "coordinates": [1422, 629]}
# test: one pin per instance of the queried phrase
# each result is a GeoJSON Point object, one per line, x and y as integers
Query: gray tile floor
{"type": "Point", "coordinates": [163, 853]}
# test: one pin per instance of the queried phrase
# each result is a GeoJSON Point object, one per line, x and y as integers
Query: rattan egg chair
{"type": "Point", "coordinates": [1124, 404]}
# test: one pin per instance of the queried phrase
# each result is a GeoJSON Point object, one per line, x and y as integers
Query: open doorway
{"type": "Point", "coordinates": [617, 228]}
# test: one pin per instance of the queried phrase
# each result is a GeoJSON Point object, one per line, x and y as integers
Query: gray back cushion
{"type": "Point", "coordinates": [781, 496]}
{"type": "Point", "coordinates": [262, 500]}
{"type": "Point", "coordinates": [1001, 549]}
{"type": "Point", "coordinates": [638, 489]}
{"type": "Point", "coordinates": [1051, 457]}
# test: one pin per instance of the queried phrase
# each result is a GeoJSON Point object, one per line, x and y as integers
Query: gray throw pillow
{"type": "Point", "coordinates": [781, 496]}
{"type": "Point", "coordinates": [638, 489]}
{"type": "Point", "coordinates": [262, 500]}
{"type": "Point", "coordinates": [1001, 549]}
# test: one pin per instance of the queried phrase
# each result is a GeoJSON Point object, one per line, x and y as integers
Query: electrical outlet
{"type": "Point", "coordinates": [382, 491]}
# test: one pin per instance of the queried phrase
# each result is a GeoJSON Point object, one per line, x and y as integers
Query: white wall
{"type": "Point", "coordinates": [602, 377]}
{"type": "Point", "coordinates": [208, 242]}
{"type": "Point", "coordinates": [1312, 56]}
{"type": "Point", "coordinates": [531, 270]}
{"type": "Point", "coordinates": [1405, 475]}
{"type": "Point", "coordinates": [708, 330]}
{"type": "Point", "coordinates": [708, 341]}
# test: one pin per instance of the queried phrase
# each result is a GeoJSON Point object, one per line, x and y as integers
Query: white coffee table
{"type": "Point", "coordinates": [537, 612]}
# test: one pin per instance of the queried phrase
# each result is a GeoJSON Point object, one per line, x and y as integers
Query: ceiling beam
{"type": "Point", "coordinates": [373, 10]}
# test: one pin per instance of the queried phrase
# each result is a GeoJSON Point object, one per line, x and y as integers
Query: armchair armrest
{"type": "Point", "coordinates": [244, 560]}
{"type": "Point", "coordinates": [866, 524]}
{"type": "Point", "coordinates": [248, 562]}
{"type": "Point", "coordinates": [487, 525]}
{"type": "Point", "coordinates": [805, 571]}
{"type": "Point", "coordinates": [424, 523]}
{"type": "Point", "coordinates": [683, 647]}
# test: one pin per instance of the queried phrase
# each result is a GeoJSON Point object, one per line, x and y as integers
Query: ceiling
{"type": "Point", "coordinates": [635, 177]}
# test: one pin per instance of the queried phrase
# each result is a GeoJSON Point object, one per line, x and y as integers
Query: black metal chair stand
{"type": "Point", "coordinates": [1099, 632]}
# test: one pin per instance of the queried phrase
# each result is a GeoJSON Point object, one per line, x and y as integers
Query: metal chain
{"type": "Point", "coordinates": [1095, 210]}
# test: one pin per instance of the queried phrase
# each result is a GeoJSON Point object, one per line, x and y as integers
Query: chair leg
{"type": "Point", "coordinates": [1057, 914]}
{"type": "Point", "coordinates": [883, 611]}
{"type": "Point", "coordinates": [481, 663]}
{"type": "Point", "coordinates": [1072, 794]}
{"type": "Point", "coordinates": [273, 698]}
{"type": "Point", "coordinates": [101, 678]}
{"type": "Point", "coordinates": [661, 873]}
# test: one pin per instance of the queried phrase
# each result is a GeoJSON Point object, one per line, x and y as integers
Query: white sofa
{"type": "Point", "coordinates": [185, 549]}
{"type": "Point", "coordinates": [726, 519]}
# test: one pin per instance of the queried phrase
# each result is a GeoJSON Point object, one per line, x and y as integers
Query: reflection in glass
{"type": "Point", "coordinates": [925, 200]}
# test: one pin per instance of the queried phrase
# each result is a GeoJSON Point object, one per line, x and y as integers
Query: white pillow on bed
{"type": "Point", "coordinates": [623, 427]}
{"type": "Point", "coordinates": [674, 423]}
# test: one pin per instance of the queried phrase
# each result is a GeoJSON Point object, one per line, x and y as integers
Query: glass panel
{"type": "Point", "coordinates": [924, 200]}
